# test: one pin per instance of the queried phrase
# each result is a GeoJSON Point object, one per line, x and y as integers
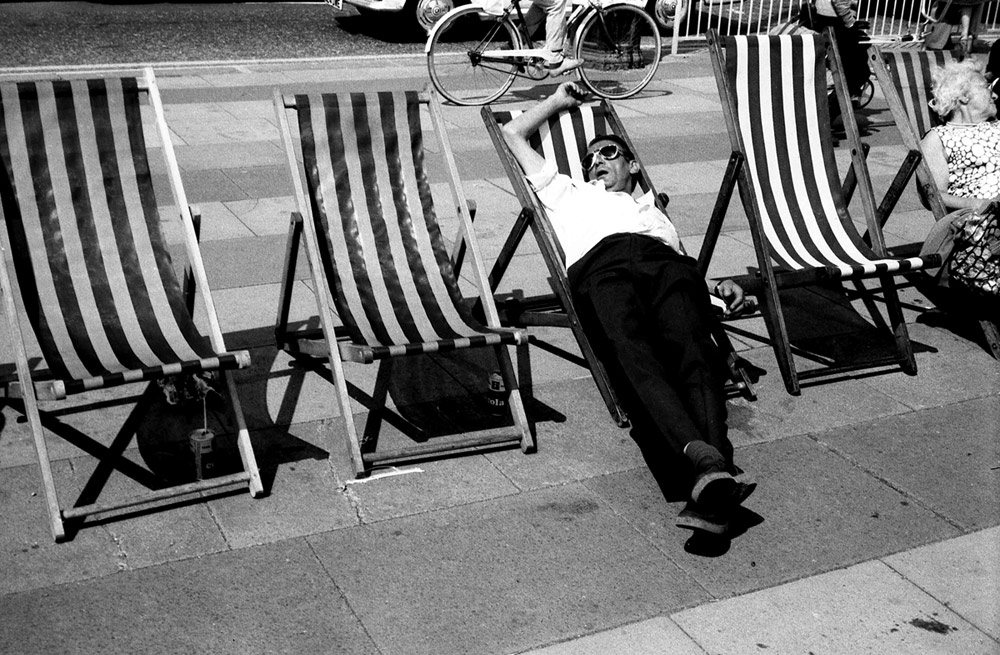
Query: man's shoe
{"type": "Point", "coordinates": [563, 67]}
{"type": "Point", "coordinates": [715, 492]}
{"type": "Point", "coordinates": [693, 517]}
{"type": "Point", "coordinates": [745, 485]}
{"type": "Point", "coordinates": [721, 492]}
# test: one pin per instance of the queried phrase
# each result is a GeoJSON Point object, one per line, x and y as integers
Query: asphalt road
{"type": "Point", "coordinates": [77, 33]}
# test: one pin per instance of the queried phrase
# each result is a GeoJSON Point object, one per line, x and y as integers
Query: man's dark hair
{"type": "Point", "coordinates": [614, 138]}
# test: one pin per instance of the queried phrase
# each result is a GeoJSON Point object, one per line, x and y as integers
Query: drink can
{"type": "Point", "coordinates": [496, 393]}
{"type": "Point", "coordinates": [201, 446]}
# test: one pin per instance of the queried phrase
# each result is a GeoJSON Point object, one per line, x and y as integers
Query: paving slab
{"type": "Point", "coordinates": [533, 569]}
{"type": "Point", "coordinates": [945, 569]}
{"type": "Point", "coordinates": [867, 608]}
{"type": "Point", "coordinates": [813, 511]}
{"type": "Point", "coordinates": [580, 443]}
{"type": "Point", "coordinates": [643, 638]}
{"type": "Point", "coordinates": [960, 439]}
{"type": "Point", "coordinates": [29, 559]}
{"type": "Point", "coordinates": [274, 599]}
{"type": "Point", "coordinates": [303, 494]}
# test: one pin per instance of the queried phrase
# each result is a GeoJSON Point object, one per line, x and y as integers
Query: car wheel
{"type": "Point", "coordinates": [664, 12]}
{"type": "Point", "coordinates": [429, 12]}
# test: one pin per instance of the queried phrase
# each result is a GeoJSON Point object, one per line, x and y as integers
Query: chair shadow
{"type": "Point", "coordinates": [824, 328]}
{"type": "Point", "coordinates": [161, 435]}
{"type": "Point", "coordinates": [434, 396]}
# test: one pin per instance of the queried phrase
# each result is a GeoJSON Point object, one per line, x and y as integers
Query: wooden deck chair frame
{"type": "Point", "coordinates": [904, 75]}
{"type": "Point", "coordinates": [344, 342]}
{"type": "Point", "coordinates": [52, 384]}
{"type": "Point", "coordinates": [806, 259]}
{"type": "Point", "coordinates": [557, 309]}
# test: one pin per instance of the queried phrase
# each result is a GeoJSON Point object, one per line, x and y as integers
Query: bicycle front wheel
{"type": "Point", "coordinates": [465, 56]}
{"type": "Point", "coordinates": [620, 47]}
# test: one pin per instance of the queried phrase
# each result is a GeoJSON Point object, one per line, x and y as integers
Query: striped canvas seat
{"type": "Point", "coordinates": [91, 271]}
{"type": "Point", "coordinates": [380, 239]}
{"type": "Point", "coordinates": [905, 79]}
{"type": "Point", "coordinates": [563, 139]}
{"type": "Point", "coordinates": [775, 103]}
{"type": "Point", "coordinates": [781, 92]}
{"type": "Point", "coordinates": [98, 282]}
{"type": "Point", "coordinates": [377, 235]}
{"type": "Point", "coordinates": [910, 73]}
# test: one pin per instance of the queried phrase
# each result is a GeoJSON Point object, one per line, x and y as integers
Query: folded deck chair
{"type": "Point", "coordinates": [905, 79]}
{"type": "Point", "coordinates": [774, 100]}
{"type": "Point", "coordinates": [564, 139]}
{"type": "Point", "coordinates": [374, 245]}
{"type": "Point", "coordinates": [88, 267]}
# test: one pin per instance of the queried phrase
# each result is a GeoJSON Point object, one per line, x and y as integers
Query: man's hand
{"type": "Point", "coordinates": [732, 293]}
{"type": "Point", "coordinates": [569, 95]}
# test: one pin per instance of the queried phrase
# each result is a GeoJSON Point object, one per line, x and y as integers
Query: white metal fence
{"type": "Point", "coordinates": [889, 19]}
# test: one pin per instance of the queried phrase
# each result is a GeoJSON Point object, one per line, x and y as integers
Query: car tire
{"type": "Point", "coordinates": [428, 12]}
{"type": "Point", "coordinates": [663, 12]}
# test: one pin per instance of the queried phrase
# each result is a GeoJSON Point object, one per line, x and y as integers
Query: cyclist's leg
{"type": "Point", "coordinates": [556, 18]}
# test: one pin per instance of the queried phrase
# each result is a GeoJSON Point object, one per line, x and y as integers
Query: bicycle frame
{"type": "Point", "coordinates": [523, 55]}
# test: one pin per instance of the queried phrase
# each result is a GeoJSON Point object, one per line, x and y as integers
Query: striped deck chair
{"type": "Point", "coordinates": [374, 245]}
{"type": "Point", "coordinates": [564, 139]}
{"type": "Point", "coordinates": [904, 75]}
{"type": "Point", "coordinates": [773, 92]}
{"type": "Point", "coordinates": [90, 270]}
{"type": "Point", "coordinates": [905, 79]}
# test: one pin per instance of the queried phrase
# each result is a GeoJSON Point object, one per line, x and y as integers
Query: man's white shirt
{"type": "Point", "coordinates": [584, 213]}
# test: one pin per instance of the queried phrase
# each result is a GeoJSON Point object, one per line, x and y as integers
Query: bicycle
{"type": "Point", "coordinates": [618, 42]}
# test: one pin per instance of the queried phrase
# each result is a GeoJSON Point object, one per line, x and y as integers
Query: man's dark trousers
{"type": "Point", "coordinates": [647, 314]}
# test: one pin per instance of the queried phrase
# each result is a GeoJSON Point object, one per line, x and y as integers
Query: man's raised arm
{"type": "Point", "coordinates": [517, 132]}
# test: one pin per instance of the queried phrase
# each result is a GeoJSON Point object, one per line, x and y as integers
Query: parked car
{"type": "Point", "coordinates": [421, 12]}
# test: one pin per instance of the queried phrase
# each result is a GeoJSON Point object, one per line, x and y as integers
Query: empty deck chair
{"type": "Point", "coordinates": [773, 92]}
{"type": "Point", "coordinates": [374, 245]}
{"type": "Point", "coordinates": [88, 267]}
{"type": "Point", "coordinates": [564, 139]}
{"type": "Point", "coordinates": [905, 79]}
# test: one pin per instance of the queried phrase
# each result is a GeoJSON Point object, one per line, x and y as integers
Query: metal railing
{"type": "Point", "coordinates": [889, 20]}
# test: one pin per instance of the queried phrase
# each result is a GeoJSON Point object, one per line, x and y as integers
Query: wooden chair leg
{"type": "Point", "coordinates": [514, 400]}
{"type": "Point", "coordinates": [898, 324]}
{"type": "Point", "coordinates": [380, 394]}
{"type": "Point", "coordinates": [992, 334]}
{"type": "Point", "coordinates": [775, 320]}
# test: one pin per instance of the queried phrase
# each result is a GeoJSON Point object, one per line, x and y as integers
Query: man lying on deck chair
{"type": "Point", "coordinates": [644, 307]}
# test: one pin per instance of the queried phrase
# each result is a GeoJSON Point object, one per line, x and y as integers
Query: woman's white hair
{"type": "Point", "coordinates": [953, 83]}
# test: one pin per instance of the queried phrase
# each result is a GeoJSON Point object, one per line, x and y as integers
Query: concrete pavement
{"type": "Point", "coordinates": [875, 528]}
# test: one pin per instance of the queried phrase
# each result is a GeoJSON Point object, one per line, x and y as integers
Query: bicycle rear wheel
{"type": "Point", "coordinates": [620, 47]}
{"type": "Point", "coordinates": [466, 73]}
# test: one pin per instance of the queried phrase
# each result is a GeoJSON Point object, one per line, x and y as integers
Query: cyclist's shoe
{"type": "Point", "coordinates": [562, 66]}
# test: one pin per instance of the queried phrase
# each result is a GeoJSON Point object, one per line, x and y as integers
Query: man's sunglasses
{"type": "Point", "coordinates": [607, 153]}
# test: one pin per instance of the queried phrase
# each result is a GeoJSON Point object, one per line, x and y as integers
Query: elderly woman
{"type": "Point", "coordinates": [964, 154]}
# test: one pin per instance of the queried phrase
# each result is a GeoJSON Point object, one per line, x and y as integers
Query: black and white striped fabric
{"type": "Point", "coordinates": [910, 72]}
{"type": "Point", "coordinates": [95, 276]}
{"type": "Point", "coordinates": [783, 122]}
{"type": "Point", "coordinates": [380, 242]}
{"type": "Point", "coordinates": [563, 138]}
